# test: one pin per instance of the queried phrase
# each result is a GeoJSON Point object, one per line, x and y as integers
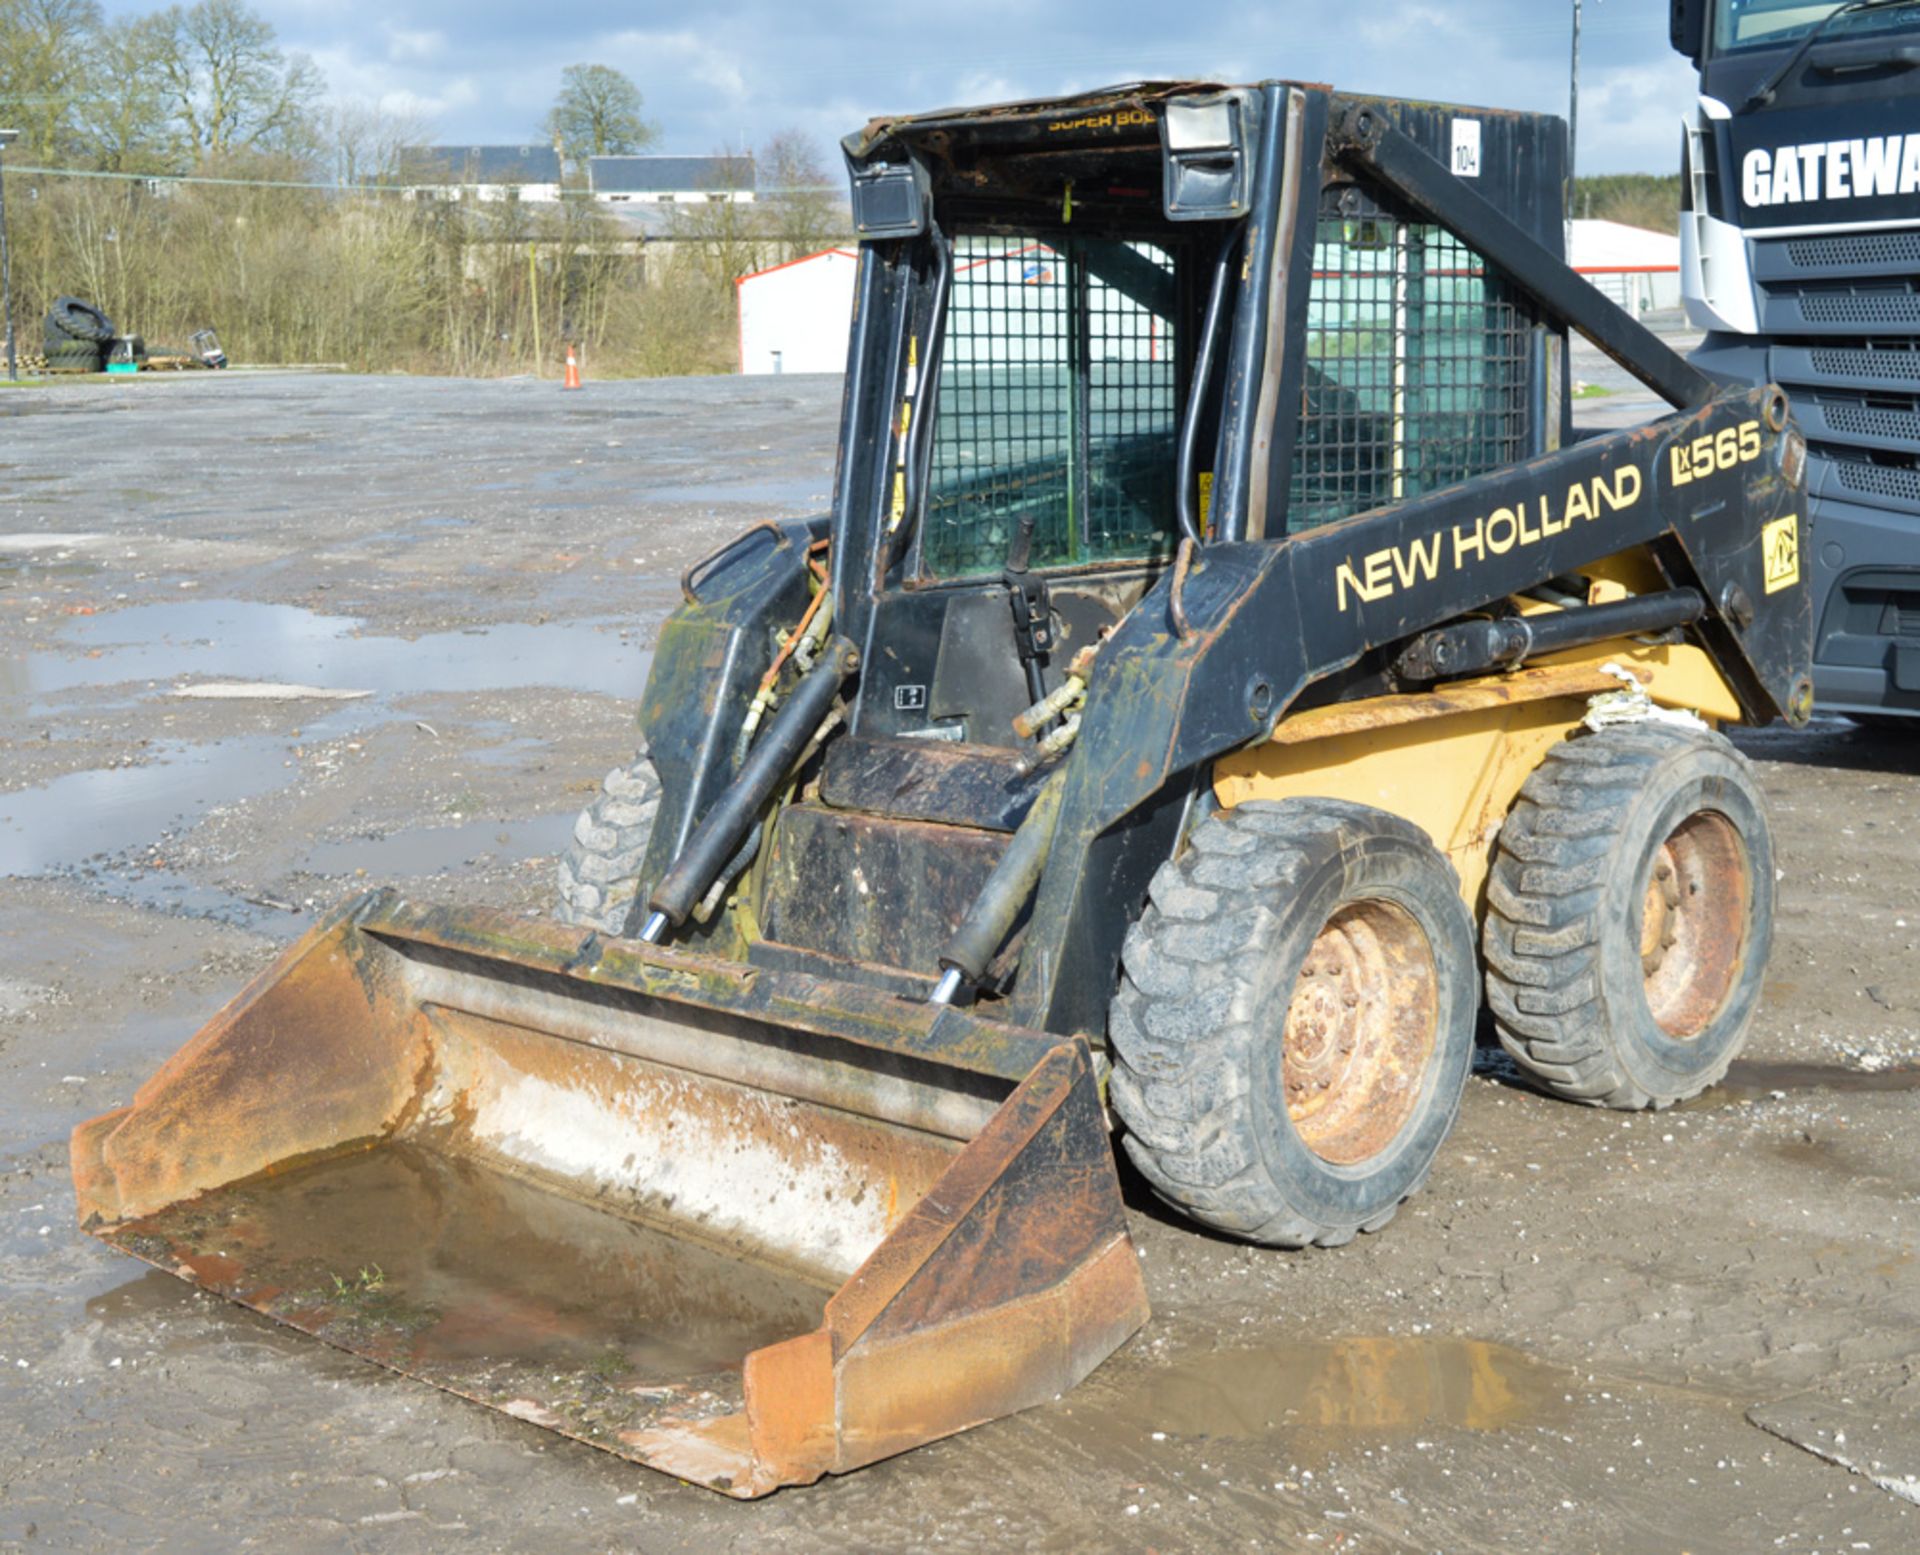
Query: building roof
{"type": "Point", "coordinates": [1612, 246]}
{"type": "Point", "coordinates": [823, 255]}
{"type": "Point", "coordinates": [668, 174]}
{"type": "Point", "coordinates": [481, 165]}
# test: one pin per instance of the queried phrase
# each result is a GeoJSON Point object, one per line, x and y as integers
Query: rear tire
{"type": "Point", "coordinates": [599, 874]}
{"type": "Point", "coordinates": [1629, 915]}
{"type": "Point", "coordinates": [73, 356]}
{"type": "Point", "coordinates": [1295, 1023]}
{"type": "Point", "coordinates": [80, 320]}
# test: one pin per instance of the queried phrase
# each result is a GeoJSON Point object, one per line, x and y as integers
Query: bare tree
{"type": "Point", "coordinates": [45, 48]}
{"type": "Point", "coordinates": [726, 236]}
{"type": "Point", "coordinates": [232, 89]}
{"type": "Point", "coordinates": [123, 118]}
{"type": "Point", "coordinates": [367, 144]}
{"type": "Point", "coordinates": [801, 200]}
{"type": "Point", "coordinates": [597, 114]}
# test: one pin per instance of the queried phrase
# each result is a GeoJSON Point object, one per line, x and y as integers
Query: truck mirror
{"type": "Point", "coordinates": [1688, 28]}
{"type": "Point", "coordinates": [1204, 144]}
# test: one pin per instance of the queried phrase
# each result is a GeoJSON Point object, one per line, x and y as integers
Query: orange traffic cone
{"type": "Point", "coordinates": [573, 370]}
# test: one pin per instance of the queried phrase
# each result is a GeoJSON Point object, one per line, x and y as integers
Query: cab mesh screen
{"type": "Point", "coordinates": [1058, 401]}
{"type": "Point", "coordinates": [1418, 370]}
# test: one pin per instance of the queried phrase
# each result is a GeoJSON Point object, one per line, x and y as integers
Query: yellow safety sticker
{"type": "Point", "coordinates": [1780, 546]}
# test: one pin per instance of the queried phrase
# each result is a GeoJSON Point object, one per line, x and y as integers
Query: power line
{"type": "Point", "coordinates": [340, 188]}
{"type": "Point", "coordinates": [229, 183]}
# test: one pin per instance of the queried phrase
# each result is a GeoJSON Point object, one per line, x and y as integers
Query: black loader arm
{"type": "Point", "coordinates": [711, 654]}
{"type": "Point", "coordinates": [1716, 496]}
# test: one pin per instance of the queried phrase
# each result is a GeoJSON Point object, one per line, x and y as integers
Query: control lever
{"type": "Point", "coordinates": [1032, 608]}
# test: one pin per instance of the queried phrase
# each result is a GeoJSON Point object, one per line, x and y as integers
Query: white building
{"type": "Point", "coordinates": [795, 317]}
{"type": "Point", "coordinates": [482, 172]}
{"type": "Point", "coordinates": [670, 180]}
{"type": "Point", "coordinates": [1638, 269]}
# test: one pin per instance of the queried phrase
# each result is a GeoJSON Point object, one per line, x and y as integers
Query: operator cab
{"type": "Point", "coordinates": [1052, 368]}
{"type": "Point", "coordinates": [1071, 343]}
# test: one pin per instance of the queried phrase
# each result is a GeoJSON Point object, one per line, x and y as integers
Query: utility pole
{"type": "Point", "coordinates": [7, 138]}
{"type": "Point", "coordinates": [1573, 104]}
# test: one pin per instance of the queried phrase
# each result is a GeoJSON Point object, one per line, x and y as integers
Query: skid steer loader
{"type": "Point", "coordinates": [1221, 668]}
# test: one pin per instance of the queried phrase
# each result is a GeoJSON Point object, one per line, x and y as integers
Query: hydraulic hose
{"type": "Point", "coordinates": [919, 450]}
{"type": "Point", "coordinates": [732, 816]}
{"type": "Point", "coordinates": [1197, 393]}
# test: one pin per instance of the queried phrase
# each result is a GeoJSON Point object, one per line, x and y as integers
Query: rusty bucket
{"type": "Point", "coordinates": [745, 1226]}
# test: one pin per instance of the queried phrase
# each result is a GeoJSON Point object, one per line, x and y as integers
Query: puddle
{"type": "Point", "coordinates": [84, 815]}
{"type": "Point", "coordinates": [75, 824]}
{"type": "Point", "coordinates": [1325, 1391]}
{"type": "Point", "coordinates": [243, 639]}
{"type": "Point", "coordinates": [102, 813]}
{"type": "Point", "coordinates": [1750, 1080]}
{"type": "Point", "coordinates": [167, 891]}
{"type": "Point", "coordinates": [433, 850]}
{"type": "Point", "coordinates": [484, 1284]}
{"type": "Point", "coordinates": [149, 1295]}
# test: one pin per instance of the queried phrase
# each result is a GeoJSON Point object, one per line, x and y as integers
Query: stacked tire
{"type": "Point", "coordinates": [77, 336]}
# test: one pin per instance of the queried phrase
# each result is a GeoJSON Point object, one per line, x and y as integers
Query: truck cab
{"type": "Point", "coordinates": [1800, 257]}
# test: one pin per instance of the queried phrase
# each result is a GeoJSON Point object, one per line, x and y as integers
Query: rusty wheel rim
{"type": "Point", "coordinates": [1362, 1027]}
{"type": "Point", "coordinates": [1693, 919]}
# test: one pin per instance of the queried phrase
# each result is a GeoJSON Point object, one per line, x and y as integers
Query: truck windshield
{"type": "Point", "coordinates": [1769, 24]}
{"type": "Point", "coordinates": [1058, 402]}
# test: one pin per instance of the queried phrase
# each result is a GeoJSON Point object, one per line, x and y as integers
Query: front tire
{"type": "Point", "coordinates": [1629, 916]}
{"type": "Point", "coordinates": [1295, 1023]}
{"type": "Point", "coordinates": [599, 874]}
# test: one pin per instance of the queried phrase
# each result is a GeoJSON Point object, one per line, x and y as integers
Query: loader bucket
{"type": "Point", "coordinates": [745, 1226]}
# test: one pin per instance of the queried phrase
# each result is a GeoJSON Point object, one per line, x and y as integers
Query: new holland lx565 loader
{"type": "Point", "coordinates": [1222, 670]}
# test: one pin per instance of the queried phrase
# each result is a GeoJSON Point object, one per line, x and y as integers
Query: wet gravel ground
{"type": "Point", "coordinates": [1591, 1332]}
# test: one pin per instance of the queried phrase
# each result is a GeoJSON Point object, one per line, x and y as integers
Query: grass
{"type": "Point", "coordinates": [365, 1283]}
{"type": "Point", "coordinates": [1592, 391]}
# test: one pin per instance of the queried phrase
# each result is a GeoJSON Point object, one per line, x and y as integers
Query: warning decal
{"type": "Point", "coordinates": [1780, 546]}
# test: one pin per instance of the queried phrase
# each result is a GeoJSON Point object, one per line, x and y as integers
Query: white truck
{"type": "Point", "coordinates": [1800, 258]}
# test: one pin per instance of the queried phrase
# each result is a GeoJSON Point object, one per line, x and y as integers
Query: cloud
{"type": "Point", "coordinates": [730, 72]}
{"type": "Point", "coordinates": [413, 44]}
{"type": "Point", "coordinates": [683, 54]}
{"type": "Point", "coordinates": [1406, 21]}
{"type": "Point", "coordinates": [1630, 115]}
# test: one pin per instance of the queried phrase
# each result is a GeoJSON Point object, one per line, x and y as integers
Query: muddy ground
{"type": "Point", "coordinates": [1571, 1341]}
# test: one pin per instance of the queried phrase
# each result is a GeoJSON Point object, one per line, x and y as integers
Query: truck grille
{"type": "Point", "coordinates": [1882, 484]}
{"type": "Point", "coordinates": [1845, 314]}
{"type": "Point", "coordinates": [1867, 366]}
{"type": "Point", "coordinates": [1855, 251]}
{"type": "Point", "coordinates": [1856, 307]}
{"type": "Point", "coordinates": [1851, 421]}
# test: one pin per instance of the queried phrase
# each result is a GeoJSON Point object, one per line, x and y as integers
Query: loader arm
{"type": "Point", "coordinates": [1266, 620]}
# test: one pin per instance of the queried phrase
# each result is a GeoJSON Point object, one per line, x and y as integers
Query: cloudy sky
{"type": "Point", "coordinates": [727, 73]}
